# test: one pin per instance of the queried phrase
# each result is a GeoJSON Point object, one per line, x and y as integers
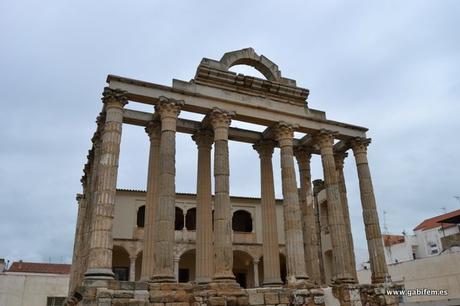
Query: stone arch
{"type": "Point", "coordinates": [190, 219]}
{"type": "Point", "coordinates": [249, 57]}
{"type": "Point", "coordinates": [242, 221]}
{"type": "Point", "coordinates": [187, 262]}
{"type": "Point", "coordinates": [179, 219]}
{"type": "Point", "coordinates": [120, 262]}
{"type": "Point", "coordinates": [140, 221]}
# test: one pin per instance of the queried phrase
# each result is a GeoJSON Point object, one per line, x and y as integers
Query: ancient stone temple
{"type": "Point", "coordinates": [164, 248]}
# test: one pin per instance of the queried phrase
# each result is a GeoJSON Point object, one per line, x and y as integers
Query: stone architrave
{"type": "Point", "coordinates": [204, 246]}
{"type": "Point", "coordinates": [270, 246]}
{"type": "Point", "coordinates": [379, 268]}
{"type": "Point", "coordinates": [223, 246]}
{"type": "Point", "coordinates": [153, 130]}
{"type": "Point", "coordinates": [169, 110]}
{"type": "Point", "coordinates": [295, 256]}
{"type": "Point", "coordinates": [307, 207]}
{"type": "Point", "coordinates": [339, 158]}
{"type": "Point", "coordinates": [337, 228]}
{"type": "Point", "coordinates": [101, 243]}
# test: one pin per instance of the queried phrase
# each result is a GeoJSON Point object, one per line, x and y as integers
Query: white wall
{"type": "Point", "coordinates": [435, 272]}
{"type": "Point", "coordinates": [20, 289]}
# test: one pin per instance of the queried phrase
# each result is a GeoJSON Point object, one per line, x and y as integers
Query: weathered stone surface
{"type": "Point", "coordinates": [256, 298]}
{"type": "Point", "coordinates": [216, 301]}
{"type": "Point", "coordinates": [271, 298]}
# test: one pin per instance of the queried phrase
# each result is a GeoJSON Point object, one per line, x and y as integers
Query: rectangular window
{"type": "Point", "coordinates": [55, 301]}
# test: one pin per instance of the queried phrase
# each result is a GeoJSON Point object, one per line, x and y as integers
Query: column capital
{"type": "Point", "coordinates": [264, 147]}
{"type": "Point", "coordinates": [303, 156]}
{"type": "Point", "coordinates": [339, 158]}
{"type": "Point", "coordinates": [220, 121]}
{"type": "Point", "coordinates": [203, 138]}
{"type": "Point", "coordinates": [220, 118]}
{"type": "Point", "coordinates": [318, 185]}
{"type": "Point", "coordinates": [359, 144]}
{"type": "Point", "coordinates": [114, 97]}
{"type": "Point", "coordinates": [168, 108]}
{"type": "Point", "coordinates": [325, 138]}
{"type": "Point", "coordinates": [284, 131]}
{"type": "Point", "coordinates": [153, 130]}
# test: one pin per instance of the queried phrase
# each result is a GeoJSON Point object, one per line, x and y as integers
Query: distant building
{"type": "Point", "coordinates": [33, 284]}
{"type": "Point", "coordinates": [427, 259]}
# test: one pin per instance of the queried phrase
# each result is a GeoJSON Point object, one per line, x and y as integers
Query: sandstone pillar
{"type": "Point", "coordinates": [132, 269]}
{"type": "Point", "coordinates": [168, 110]}
{"type": "Point", "coordinates": [270, 246]}
{"type": "Point", "coordinates": [308, 215]}
{"type": "Point", "coordinates": [153, 130]}
{"type": "Point", "coordinates": [340, 253]}
{"type": "Point", "coordinates": [255, 265]}
{"type": "Point", "coordinates": [379, 268]}
{"type": "Point", "coordinates": [295, 256]}
{"type": "Point", "coordinates": [101, 243]}
{"type": "Point", "coordinates": [204, 250]}
{"type": "Point", "coordinates": [223, 247]}
{"type": "Point", "coordinates": [339, 161]}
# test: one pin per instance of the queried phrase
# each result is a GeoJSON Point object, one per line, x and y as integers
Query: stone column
{"type": "Point", "coordinates": [339, 161]}
{"type": "Point", "coordinates": [270, 246]}
{"type": "Point", "coordinates": [255, 264]}
{"type": "Point", "coordinates": [132, 269]}
{"type": "Point", "coordinates": [176, 268]}
{"type": "Point", "coordinates": [371, 219]}
{"type": "Point", "coordinates": [101, 242]}
{"type": "Point", "coordinates": [204, 251]}
{"type": "Point", "coordinates": [153, 130]}
{"type": "Point", "coordinates": [318, 185]}
{"type": "Point", "coordinates": [307, 207]}
{"type": "Point", "coordinates": [295, 256]}
{"type": "Point", "coordinates": [78, 242]}
{"type": "Point", "coordinates": [168, 110]}
{"type": "Point", "coordinates": [337, 229]}
{"type": "Point", "coordinates": [223, 246]}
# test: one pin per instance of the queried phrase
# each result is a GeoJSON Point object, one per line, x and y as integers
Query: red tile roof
{"type": "Point", "coordinates": [36, 267]}
{"type": "Point", "coordinates": [435, 221]}
{"type": "Point", "coordinates": [390, 240]}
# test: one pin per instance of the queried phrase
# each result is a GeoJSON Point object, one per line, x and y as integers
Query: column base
{"type": "Point", "coordinates": [203, 280]}
{"type": "Point", "coordinates": [99, 274]}
{"type": "Point", "coordinates": [272, 283]}
{"type": "Point", "coordinates": [163, 279]}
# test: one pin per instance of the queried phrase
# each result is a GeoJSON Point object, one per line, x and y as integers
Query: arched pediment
{"type": "Point", "coordinates": [249, 57]}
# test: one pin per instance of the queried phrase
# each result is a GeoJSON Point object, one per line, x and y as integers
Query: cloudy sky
{"type": "Point", "coordinates": [392, 66]}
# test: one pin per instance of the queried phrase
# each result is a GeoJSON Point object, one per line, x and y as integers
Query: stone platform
{"type": "Point", "coordinates": [121, 293]}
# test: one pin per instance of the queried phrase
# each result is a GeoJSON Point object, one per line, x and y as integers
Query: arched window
{"type": "Point", "coordinates": [141, 216]}
{"type": "Point", "coordinates": [179, 220]}
{"type": "Point", "coordinates": [242, 221]}
{"type": "Point", "coordinates": [190, 219]}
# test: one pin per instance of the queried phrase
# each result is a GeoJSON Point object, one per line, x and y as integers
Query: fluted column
{"type": "Point", "coordinates": [223, 247]}
{"type": "Point", "coordinates": [340, 253]}
{"type": "Point", "coordinates": [339, 161]}
{"type": "Point", "coordinates": [101, 244]}
{"type": "Point", "coordinates": [163, 247]}
{"type": "Point", "coordinates": [308, 213]}
{"type": "Point", "coordinates": [379, 268]}
{"type": "Point", "coordinates": [295, 256]}
{"type": "Point", "coordinates": [153, 130]}
{"type": "Point", "coordinates": [270, 247]}
{"type": "Point", "coordinates": [204, 251]}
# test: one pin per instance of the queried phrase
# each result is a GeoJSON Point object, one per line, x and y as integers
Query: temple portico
{"type": "Point", "coordinates": [218, 242]}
